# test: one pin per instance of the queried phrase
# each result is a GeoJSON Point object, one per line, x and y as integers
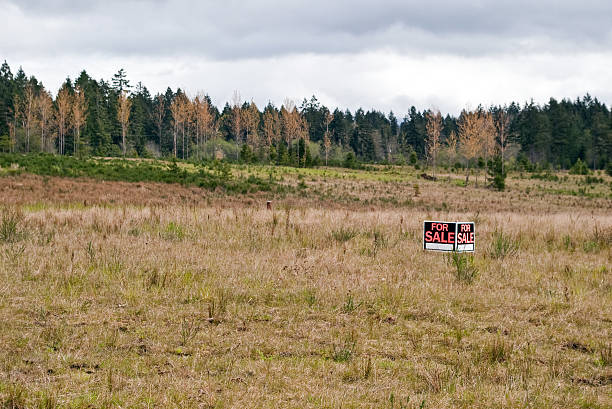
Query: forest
{"type": "Point", "coordinates": [115, 118]}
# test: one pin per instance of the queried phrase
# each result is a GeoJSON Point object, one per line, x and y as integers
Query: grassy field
{"type": "Point", "coordinates": [152, 294]}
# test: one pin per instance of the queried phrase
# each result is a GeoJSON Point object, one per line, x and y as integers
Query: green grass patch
{"type": "Point", "coordinates": [209, 175]}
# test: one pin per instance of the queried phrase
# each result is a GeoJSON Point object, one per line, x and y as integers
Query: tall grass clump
{"type": "Point", "coordinates": [463, 266]}
{"type": "Point", "coordinates": [502, 245]}
{"type": "Point", "coordinates": [343, 234]}
{"type": "Point", "coordinates": [10, 226]}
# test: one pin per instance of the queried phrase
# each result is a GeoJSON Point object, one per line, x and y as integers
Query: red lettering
{"type": "Point", "coordinates": [471, 237]}
{"type": "Point", "coordinates": [451, 237]}
{"type": "Point", "coordinates": [436, 237]}
{"type": "Point", "coordinates": [428, 236]}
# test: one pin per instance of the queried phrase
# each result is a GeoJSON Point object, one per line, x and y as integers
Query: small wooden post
{"type": "Point", "coordinates": [269, 205]}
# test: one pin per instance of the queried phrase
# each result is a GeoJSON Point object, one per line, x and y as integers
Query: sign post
{"type": "Point", "coordinates": [448, 236]}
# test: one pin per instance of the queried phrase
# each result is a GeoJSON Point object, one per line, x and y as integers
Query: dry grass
{"type": "Point", "coordinates": [131, 301]}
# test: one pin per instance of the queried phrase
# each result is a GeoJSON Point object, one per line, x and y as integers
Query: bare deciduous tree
{"type": "Point", "coordinates": [487, 138]}
{"type": "Point", "coordinates": [433, 127]}
{"type": "Point", "coordinates": [12, 135]}
{"type": "Point", "coordinates": [44, 106]}
{"type": "Point", "coordinates": [203, 118]}
{"type": "Point", "coordinates": [475, 132]}
{"type": "Point", "coordinates": [175, 110]}
{"type": "Point", "coordinates": [79, 114]}
{"type": "Point", "coordinates": [237, 119]}
{"type": "Point", "coordinates": [179, 108]}
{"type": "Point", "coordinates": [271, 127]}
{"type": "Point", "coordinates": [251, 124]}
{"type": "Point", "coordinates": [123, 114]}
{"type": "Point", "coordinates": [159, 112]}
{"type": "Point", "coordinates": [63, 113]}
{"type": "Point", "coordinates": [469, 138]}
{"type": "Point", "coordinates": [452, 143]}
{"type": "Point", "coordinates": [327, 135]}
{"type": "Point", "coordinates": [28, 112]}
{"type": "Point", "coordinates": [13, 123]}
{"type": "Point", "coordinates": [502, 123]}
{"type": "Point", "coordinates": [290, 122]}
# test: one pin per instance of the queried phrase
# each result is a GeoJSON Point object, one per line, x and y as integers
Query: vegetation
{"type": "Point", "coordinates": [210, 175]}
{"type": "Point", "coordinates": [115, 118]}
{"type": "Point", "coordinates": [216, 301]}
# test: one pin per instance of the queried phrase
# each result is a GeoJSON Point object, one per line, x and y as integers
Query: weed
{"type": "Point", "coordinates": [173, 231]}
{"type": "Point", "coordinates": [602, 237]}
{"type": "Point", "coordinates": [310, 297]}
{"type": "Point", "coordinates": [497, 350]}
{"type": "Point", "coordinates": [502, 245]}
{"type": "Point", "coordinates": [217, 307]}
{"type": "Point", "coordinates": [367, 371]}
{"type": "Point", "coordinates": [605, 355]}
{"type": "Point", "coordinates": [13, 396]}
{"type": "Point", "coordinates": [342, 235]}
{"type": "Point", "coordinates": [568, 243]}
{"type": "Point", "coordinates": [10, 229]}
{"type": "Point", "coordinates": [349, 304]}
{"type": "Point", "coordinates": [464, 267]}
{"type": "Point", "coordinates": [189, 329]}
{"type": "Point", "coordinates": [91, 254]}
{"type": "Point", "coordinates": [380, 241]}
{"type": "Point", "coordinates": [434, 378]}
{"type": "Point", "coordinates": [346, 349]}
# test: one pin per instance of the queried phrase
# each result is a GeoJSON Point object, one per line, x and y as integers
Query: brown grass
{"type": "Point", "coordinates": [194, 299]}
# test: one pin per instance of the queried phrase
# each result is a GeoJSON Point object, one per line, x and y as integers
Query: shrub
{"type": "Point", "coordinates": [463, 264]}
{"type": "Point", "coordinates": [579, 168]}
{"type": "Point", "coordinates": [413, 158]}
{"type": "Point", "coordinates": [497, 174]}
{"type": "Point", "coordinates": [209, 175]}
{"type": "Point", "coordinates": [350, 161]}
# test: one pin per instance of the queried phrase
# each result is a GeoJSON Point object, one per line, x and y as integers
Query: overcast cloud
{"type": "Point", "coordinates": [374, 54]}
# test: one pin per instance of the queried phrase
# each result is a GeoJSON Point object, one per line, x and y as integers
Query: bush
{"type": "Point", "coordinates": [579, 168]}
{"type": "Point", "coordinates": [413, 158]}
{"type": "Point", "coordinates": [497, 174]}
{"type": "Point", "coordinates": [350, 161]}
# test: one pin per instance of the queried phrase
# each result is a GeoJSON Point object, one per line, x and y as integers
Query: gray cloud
{"type": "Point", "coordinates": [237, 30]}
{"type": "Point", "coordinates": [387, 55]}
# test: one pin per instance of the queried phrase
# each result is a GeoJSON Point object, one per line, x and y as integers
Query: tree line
{"type": "Point", "coordinates": [116, 118]}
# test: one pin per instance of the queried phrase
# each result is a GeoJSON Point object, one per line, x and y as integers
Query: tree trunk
{"type": "Point", "coordinates": [160, 142]}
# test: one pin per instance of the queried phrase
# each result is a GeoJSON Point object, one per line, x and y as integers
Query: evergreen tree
{"type": "Point", "coordinates": [6, 97]}
{"type": "Point", "coordinates": [120, 81]}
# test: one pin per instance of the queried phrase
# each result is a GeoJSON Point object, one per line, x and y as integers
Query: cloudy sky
{"type": "Point", "coordinates": [386, 55]}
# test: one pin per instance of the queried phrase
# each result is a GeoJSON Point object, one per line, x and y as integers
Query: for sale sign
{"type": "Point", "coordinates": [448, 236]}
{"type": "Point", "coordinates": [464, 237]}
{"type": "Point", "coordinates": [439, 236]}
